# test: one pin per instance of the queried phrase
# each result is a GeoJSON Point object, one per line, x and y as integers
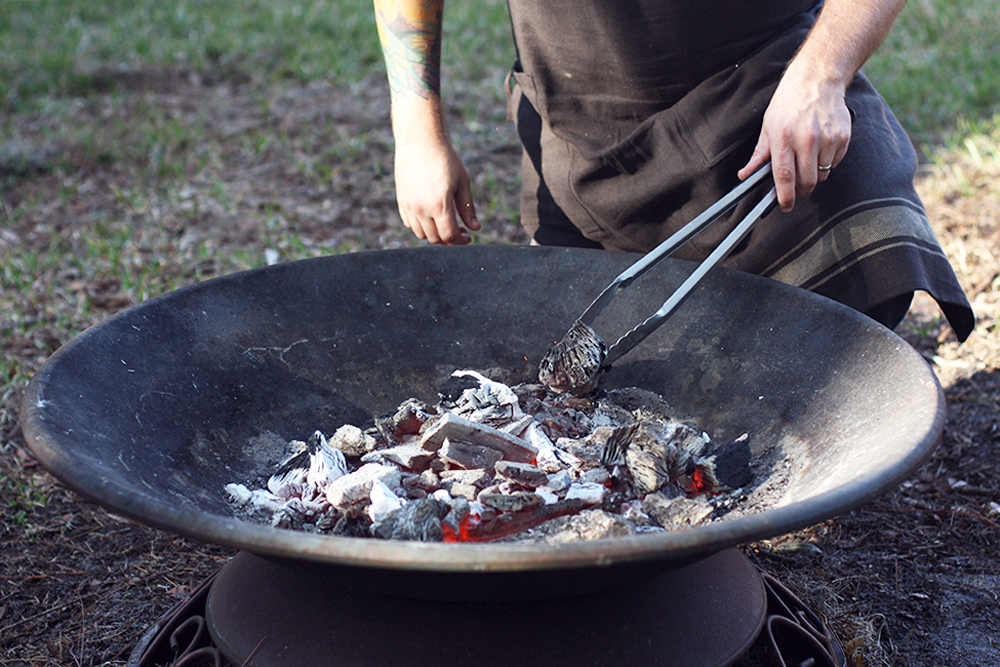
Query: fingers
{"type": "Point", "coordinates": [802, 157]}
{"type": "Point", "coordinates": [443, 224]}
{"type": "Point", "coordinates": [434, 194]}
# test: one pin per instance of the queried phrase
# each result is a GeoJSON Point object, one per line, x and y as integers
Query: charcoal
{"type": "Point", "coordinates": [587, 492]}
{"type": "Point", "coordinates": [408, 456]}
{"type": "Point", "coordinates": [513, 502]}
{"type": "Point", "coordinates": [676, 513]}
{"type": "Point", "coordinates": [476, 477]}
{"type": "Point", "coordinates": [352, 441]}
{"type": "Point", "coordinates": [596, 476]}
{"type": "Point", "coordinates": [479, 399]}
{"type": "Point", "coordinates": [492, 471]}
{"type": "Point", "coordinates": [469, 455]}
{"type": "Point", "coordinates": [572, 364]}
{"type": "Point", "coordinates": [587, 525]}
{"type": "Point", "coordinates": [355, 487]}
{"type": "Point", "coordinates": [418, 520]}
{"type": "Point", "coordinates": [557, 482]}
{"type": "Point", "coordinates": [613, 451]}
{"type": "Point", "coordinates": [289, 484]}
{"type": "Point", "coordinates": [524, 474]}
{"type": "Point", "coordinates": [382, 501]}
{"type": "Point", "coordinates": [460, 430]}
{"type": "Point", "coordinates": [326, 464]}
{"type": "Point", "coordinates": [731, 463]}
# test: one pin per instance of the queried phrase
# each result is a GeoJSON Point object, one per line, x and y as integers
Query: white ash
{"type": "Point", "coordinates": [514, 463]}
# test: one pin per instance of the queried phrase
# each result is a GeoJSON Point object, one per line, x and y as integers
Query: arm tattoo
{"type": "Point", "coordinates": [412, 49]}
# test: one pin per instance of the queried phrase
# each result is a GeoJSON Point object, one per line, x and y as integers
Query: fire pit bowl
{"type": "Point", "coordinates": [154, 411]}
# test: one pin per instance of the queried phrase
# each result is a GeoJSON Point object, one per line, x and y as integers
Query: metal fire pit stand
{"type": "Point", "coordinates": [263, 614]}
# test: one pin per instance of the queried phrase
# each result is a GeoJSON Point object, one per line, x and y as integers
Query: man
{"type": "Point", "coordinates": [636, 115]}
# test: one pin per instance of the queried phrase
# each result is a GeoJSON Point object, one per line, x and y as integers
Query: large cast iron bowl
{"type": "Point", "coordinates": [154, 411]}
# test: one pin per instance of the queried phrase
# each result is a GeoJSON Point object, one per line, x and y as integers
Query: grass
{"type": "Point", "coordinates": [59, 48]}
{"type": "Point", "coordinates": [939, 69]}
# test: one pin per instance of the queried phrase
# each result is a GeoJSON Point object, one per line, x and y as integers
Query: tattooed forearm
{"type": "Point", "coordinates": [410, 34]}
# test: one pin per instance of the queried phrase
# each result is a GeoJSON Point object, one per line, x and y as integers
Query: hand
{"type": "Point", "coordinates": [806, 132]}
{"type": "Point", "coordinates": [433, 191]}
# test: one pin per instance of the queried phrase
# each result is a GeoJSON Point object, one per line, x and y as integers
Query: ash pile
{"type": "Point", "coordinates": [494, 462]}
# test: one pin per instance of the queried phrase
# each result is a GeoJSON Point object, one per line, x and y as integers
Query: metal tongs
{"type": "Point", "coordinates": [561, 367]}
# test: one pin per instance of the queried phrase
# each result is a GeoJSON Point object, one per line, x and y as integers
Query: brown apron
{"type": "Point", "coordinates": [616, 172]}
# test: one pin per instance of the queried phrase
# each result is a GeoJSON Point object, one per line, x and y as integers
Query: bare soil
{"type": "Point", "coordinates": [911, 579]}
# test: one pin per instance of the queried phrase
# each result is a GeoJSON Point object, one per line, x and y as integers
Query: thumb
{"type": "Point", "coordinates": [761, 155]}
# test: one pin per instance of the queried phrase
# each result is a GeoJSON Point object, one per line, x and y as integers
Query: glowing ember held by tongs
{"type": "Point", "coordinates": [574, 364]}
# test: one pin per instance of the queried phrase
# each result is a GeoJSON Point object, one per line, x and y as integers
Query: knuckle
{"type": "Point", "coordinates": [783, 174]}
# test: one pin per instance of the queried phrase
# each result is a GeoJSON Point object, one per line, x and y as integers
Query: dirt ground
{"type": "Point", "coordinates": [911, 579]}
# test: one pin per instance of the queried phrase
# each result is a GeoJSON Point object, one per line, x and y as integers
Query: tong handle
{"type": "Point", "coordinates": [636, 335]}
{"type": "Point", "coordinates": [677, 239]}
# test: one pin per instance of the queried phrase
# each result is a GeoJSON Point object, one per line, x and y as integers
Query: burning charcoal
{"type": "Point", "coordinates": [291, 515]}
{"type": "Point", "coordinates": [417, 520]}
{"type": "Point", "coordinates": [410, 417]}
{"type": "Point", "coordinates": [572, 364]}
{"type": "Point", "coordinates": [409, 456]}
{"type": "Point", "coordinates": [427, 481]}
{"type": "Point", "coordinates": [536, 436]}
{"type": "Point", "coordinates": [459, 509]}
{"type": "Point", "coordinates": [352, 523]}
{"type": "Point", "coordinates": [298, 457]}
{"type": "Point", "coordinates": [512, 502]}
{"type": "Point", "coordinates": [469, 455]}
{"type": "Point", "coordinates": [326, 464]}
{"type": "Point", "coordinates": [289, 484]}
{"type": "Point", "coordinates": [355, 487]}
{"type": "Point", "coordinates": [479, 399]}
{"type": "Point", "coordinates": [651, 456]}
{"type": "Point", "coordinates": [557, 482]}
{"type": "Point", "coordinates": [730, 464]}
{"type": "Point", "coordinates": [613, 452]}
{"type": "Point", "coordinates": [524, 474]}
{"type": "Point", "coordinates": [383, 501]}
{"type": "Point", "coordinates": [520, 427]}
{"type": "Point", "coordinates": [727, 469]}
{"type": "Point", "coordinates": [551, 454]}
{"type": "Point", "coordinates": [484, 524]}
{"type": "Point", "coordinates": [257, 500]}
{"type": "Point", "coordinates": [587, 525]}
{"type": "Point", "coordinates": [676, 513]}
{"type": "Point", "coordinates": [596, 476]}
{"type": "Point", "coordinates": [463, 490]}
{"type": "Point", "coordinates": [352, 441]}
{"type": "Point", "coordinates": [239, 493]}
{"type": "Point", "coordinates": [553, 459]}
{"type": "Point", "coordinates": [587, 492]}
{"type": "Point", "coordinates": [453, 427]}
{"type": "Point", "coordinates": [476, 477]}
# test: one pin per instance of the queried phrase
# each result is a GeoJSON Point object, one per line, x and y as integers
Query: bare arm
{"type": "Point", "coordinates": [433, 189]}
{"type": "Point", "coordinates": [807, 124]}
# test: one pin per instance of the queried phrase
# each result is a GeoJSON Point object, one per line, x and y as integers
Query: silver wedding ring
{"type": "Point", "coordinates": [825, 167]}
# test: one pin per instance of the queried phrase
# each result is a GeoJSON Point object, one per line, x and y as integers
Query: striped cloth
{"type": "Point", "coordinates": [862, 237]}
